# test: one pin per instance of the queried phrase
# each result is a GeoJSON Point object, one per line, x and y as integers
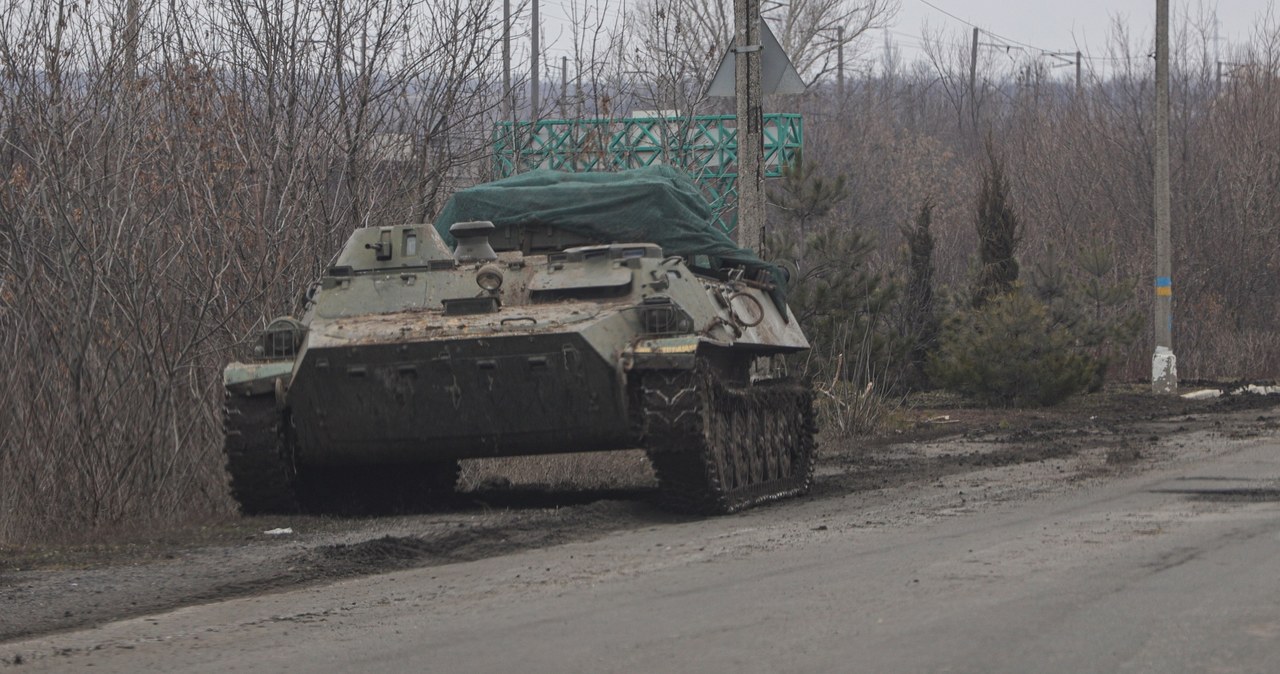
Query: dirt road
{"type": "Point", "coordinates": [1077, 540]}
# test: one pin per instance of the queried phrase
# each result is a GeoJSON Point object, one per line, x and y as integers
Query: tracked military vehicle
{"type": "Point", "coordinates": [544, 313]}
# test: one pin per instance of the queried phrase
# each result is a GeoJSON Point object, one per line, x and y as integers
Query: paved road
{"type": "Point", "coordinates": [1174, 570]}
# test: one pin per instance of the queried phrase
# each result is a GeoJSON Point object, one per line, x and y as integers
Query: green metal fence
{"type": "Point", "coordinates": [705, 146]}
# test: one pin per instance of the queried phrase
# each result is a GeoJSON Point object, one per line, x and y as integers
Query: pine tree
{"type": "Point", "coordinates": [1087, 303]}
{"type": "Point", "coordinates": [997, 225]}
{"type": "Point", "coordinates": [805, 196]}
{"type": "Point", "coordinates": [1011, 352]}
{"type": "Point", "coordinates": [920, 322]}
{"type": "Point", "coordinates": [840, 301]}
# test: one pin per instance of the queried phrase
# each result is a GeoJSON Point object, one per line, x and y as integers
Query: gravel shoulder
{"type": "Point", "coordinates": [942, 460]}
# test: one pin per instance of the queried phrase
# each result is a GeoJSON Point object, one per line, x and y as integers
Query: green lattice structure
{"type": "Point", "coordinates": [704, 146]}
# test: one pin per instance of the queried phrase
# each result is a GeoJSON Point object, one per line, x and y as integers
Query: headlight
{"type": "Point", "coordinates": [282, 339]}
{"type": "Point", "coordinates": [489, 277]}
{"type": "Point", "coordinates": [660, 316]}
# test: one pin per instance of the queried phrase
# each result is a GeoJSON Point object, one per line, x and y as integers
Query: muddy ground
{"type": "Point", "coordinates": [54, 588]}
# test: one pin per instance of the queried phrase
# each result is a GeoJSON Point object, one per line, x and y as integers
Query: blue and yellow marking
{"type": "Point", "coordinates": [1164, 286]}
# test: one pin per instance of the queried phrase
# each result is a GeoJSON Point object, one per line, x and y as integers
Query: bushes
{"type": "Point", "coordinates": [1011, 352]}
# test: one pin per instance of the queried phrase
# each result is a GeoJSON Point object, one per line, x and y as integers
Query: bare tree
{"type": "Point", "coordinates": [813, 31]}
{"type": "Point", "coordinates": [682, 41]}
{"type": "Point", "coordinates": [150, 218]}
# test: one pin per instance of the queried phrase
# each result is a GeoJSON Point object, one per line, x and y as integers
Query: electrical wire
{"type": "Point", "coordinates": [1019, 43]}
{"type": "Point", "coordinates": [988, 32]}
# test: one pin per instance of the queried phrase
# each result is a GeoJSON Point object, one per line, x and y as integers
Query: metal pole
{"type": "Point", "coordinates": [508, 108]}
{"type": "Point", "coordinates": [840, 61]}
{"type": "Point", "coordinates": [564, 83]}
{"type": "Point", "coordinates": [1217, 44]}
{"type": "Point", "coordinates": [751, 213]}
{"type": "Point", "coordinates": [1164, 372]}
{"type": "Point", "coordinates": [533, 66]}
{"type": "Point", "coordinates": [973, 79]}
{"type": "Point", "coordinates": [131, 40]}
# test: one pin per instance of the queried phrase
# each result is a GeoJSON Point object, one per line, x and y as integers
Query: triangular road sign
{"type": "Point", "coordinates": [777, 75]}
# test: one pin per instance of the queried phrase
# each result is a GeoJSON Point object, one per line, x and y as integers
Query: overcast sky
{"type": "Point", "coordinates": [1071, 24]}
{"type": "Point", "coordinates": [1049, 25]}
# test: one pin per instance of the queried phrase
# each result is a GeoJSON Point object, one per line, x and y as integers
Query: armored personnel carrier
{"type": "Point", "coordinates": [544, 313]}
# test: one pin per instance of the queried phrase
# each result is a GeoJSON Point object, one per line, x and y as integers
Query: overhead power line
{"type": "Point", "coordinates": [1018, 43]}
{"type": "Point", "coordinates": [988, 32]}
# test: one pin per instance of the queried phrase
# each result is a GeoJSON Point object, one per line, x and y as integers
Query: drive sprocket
{"type": "Point", "coordinates": [261, 470]}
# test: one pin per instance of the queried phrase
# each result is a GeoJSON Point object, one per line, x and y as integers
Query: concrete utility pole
{"type": "Point", "coordinates": [973, 78]}
{"type": "Point", "coordinates": [131, 40]}
{"type": "Point", "coordinates": [1079, 58]}
{"type": "Point", "coordinates": [751, 213]}
{"type": "Point", "coordinates": [564, 83]}
{"type": "Point", "coordinates": [1164, 370]}
{"type": "Point", "coordinates": [508, 108]}
{"type": "Point", "coordinates": [533, 66]}
{"type": "Point", "coordinates": [840, 62]}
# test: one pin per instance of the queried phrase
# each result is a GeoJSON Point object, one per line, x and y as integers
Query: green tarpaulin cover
{"type": "Point", "coordinates": [655, 204]}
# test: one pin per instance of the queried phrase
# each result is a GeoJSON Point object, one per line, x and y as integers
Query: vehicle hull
{"type": "Point", "coordinates": [464, 397]}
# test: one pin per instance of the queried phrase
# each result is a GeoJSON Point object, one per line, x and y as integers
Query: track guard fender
{"type": "Point", "coordinates": [251, 379]}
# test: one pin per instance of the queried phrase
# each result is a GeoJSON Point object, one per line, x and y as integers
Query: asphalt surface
{"type": "Point", "coordinates": [1170, 570]}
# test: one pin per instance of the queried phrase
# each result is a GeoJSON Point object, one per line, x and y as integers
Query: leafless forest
{"type": "Point", "coordinates": [170, 183]}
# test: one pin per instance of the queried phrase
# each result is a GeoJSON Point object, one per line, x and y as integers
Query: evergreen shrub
{"type": "Point", "coordinates": [1011, 352]}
